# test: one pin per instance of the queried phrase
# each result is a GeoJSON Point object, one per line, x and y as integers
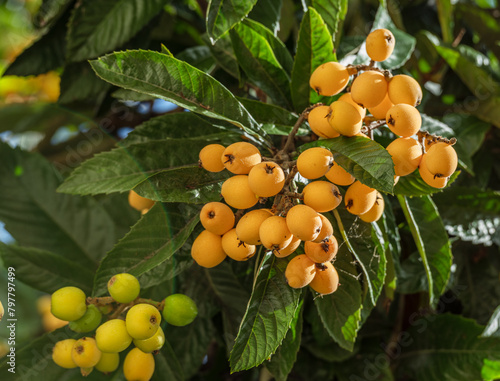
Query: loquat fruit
{"type": "Point", "coordinates": [240, 157]}
{"type": "Point", "coordinates": [247, 228]}
{"type": "Point", "coordinates": [322, 196]}
{"type": "Point", "coordinates": [300, 271]}
{"type": "Point", "coordinates": [326, 279]}
{"type": "Point", "coordinates": [323, 251]}
{"type": "Point", "coordinates": [266, 179]}
{"type": "Point", "coordinates": [318, 121]}
{"type": "Point", "coordinates": [345, 118]}
{"type": "Point", "coordinates": [441, 159]}
{"type": "Point", "coordinates": [329, 78]}
{"type": "Point", "coordinates": [274, 233]}
{"type": "Point", "coordinates": [403, 120]}
{"type": "Point", "coordinates": [217, 218]}
{"type": "Point", "coordinates": [207, 249]}
{"type": "Point", "coordinates": [369, 89]}
{"type": "Point", "coordinates": [210, 157]}
{"type": "Point", "coordinates": [314, 162]}
{"type": "Point", "coordinates": [339, 175]}
{"type": "Point", "coordinates": [375, 211]}
{"type": "Point", "coordinates": [380, 44]}
{"type": "Point", "coordinates": [406, 154]}
{"type": "Point", "coordinates": [235, 248]}
{"type": "Point", "coordinates": [237, 193]}
{"type": "Point", "coordinates": [404, 89]}
{"type": "Point", "coordinates": [359, 198]}
{"type": "Point", "coordinates": [303, 222]}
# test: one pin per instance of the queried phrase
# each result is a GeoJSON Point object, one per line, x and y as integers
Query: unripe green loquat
{"type": "Point", "coordinates": [217, 218]}
{"type": "Point", "coordinates": [274, 233]}
{"type": "Point", "coordinates": [406, 154]}
{"type": "Point", "coordinates": [210, 157]}
{"type": "Point", "coordinates": [88, 322]}
{"type": "Point", "coordinates": [207, 250]}
{"type": "Point", "coordinates": [359, 198]}
{"type": "Point", "coordinates": [441, 159]}
{"type": "Point", "coordinates": [237, 193]}
{"type": "Point", "coordinates": [179, 310]}
{"type": "Point", "coordinates": [380, 44]}
{"type": "Point", "coordinates": [314, 162]}
{"type": "Point", "coordinates": [300, 271]}
{"type": "Point", "coordinates": [323, 251]}
{"type": "Point", "coordinates": [339, 175]}
{"type": "Point", "coordinates": [326, 279]}
{"type": "Point", "coordinates": [304, 222]}
{"type": "Point", "coordinates": [142, 321]}
{"type": "Point", "coordinates": [240, 157]}
{"type": "Point", "coordinates": [68, 303]}
{"type": "Point", "coordinates": [124, 287]}
{"type": "Point", "coordinates": [318, 121]}
{"type": "Point", "coordinates": [345, 118]}
{"type": "Point", "coordinates": [112, 336]}
{"type": "Point", "coordinates": [404, 89]}
{"type": "Point", "coordinates": [247, 228]}
{"type": "Point", "coordinates": [329, 78]}
{"type": "Point", "coordinates": [61, 354]}
{"type": "Point", "coordinates": [266, 179]}
{"type": "Point", "coordinates": [322, 196]}
{"type": "Point", "coordinates": [403, 120]}
{"type": "Point", "coordinates": [235, 248]}
{"type": "Point", "coordinates": [138, 202]}
{"type": "Point", "coordinates": [138, 366]}
{"type": "Point", "coordinates": [369, 89]}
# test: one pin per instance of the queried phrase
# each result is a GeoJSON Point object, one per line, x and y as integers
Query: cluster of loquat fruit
{"type": "Point", "coordinates": [296, 217]}
{"type": "Point", "coordinates": [140, 325]}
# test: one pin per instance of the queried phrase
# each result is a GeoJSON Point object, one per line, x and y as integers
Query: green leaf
{"type": "Point", "coordinates": [37, 355]}
{"type": "Point", "coordinates": [477, 282]}
{"type": "Point", "coordinates": [270, 311]}
{"type": "Point", "coordinates": [367, 247]}
{"type": "Point", "coordinates": [413, 185]}
{"type": "Point", "coordinates": [152, 240]}
{"type": "Point", "coordinates": [223, 53]}
{"type": "Point", "coordinates": [199, 57]}
{"type": "Point", "coordinates": [49, 12]}
{"type": "Point", "coordinates": [284, 358]}
{"type": "Point", "coordinates": [35, 215]}
{"type": "Point", "coordinates": [432, 242]}
{"type": "Point", "coordinates": [490, 370]}
{"type": "Point", "coordinates": [122, 169]}
{"type": "Point", "coordinates": [492, 329]}
{"type": "Point", "coordinates": [167, 78]}
{"type": "Point", "coordinates": [264, 59]}
{"type": "Point", "coordinates": [45, 271]}
{"type": "Point", "coordinates": [340, 312]}
{"type": "Point", "coordinates": [470, 213]}
{"type": "Point", "coordinates": [79, 83]}
{"type": "Point", "coordinates": [167, 366]}
{"type": "Point", "coordinates": [181, 125]}
{"type": "Point", "coordinates": [268, 13]}
{"type": "Point", "coordinates": [275, 120]}
{"type": "Point", "coordinates": [483, 23]}
{"type": "Point", "coordinates": [21, 117]}
{"type": "Point", "coordinates": [222, 15]}
{"type": "Point", "coordinates": [446, 19]}
{"type": "Point", "coordinates": [45, 54]}
{"type": "Point", "coordinates": [470, 132]}
{"type": "Point", "coordinates": [332, 11]}
{"type": "Point", "coordinates": [476, 78]}
{"type": "Point", "coordinates": [365, 159]}
{"type": "Point", "coordinates": [405, 43]}
{"type": "Point", "coordinates": [314, 47]}
{"type": "Point", "coordinates": [447, 347]}
{"type": "Point", "coordinates": [189, 184]}
{"type": "Point", "coordinates": [232, 298]}
{"type": "Point", "coordinates": [99, 27]}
